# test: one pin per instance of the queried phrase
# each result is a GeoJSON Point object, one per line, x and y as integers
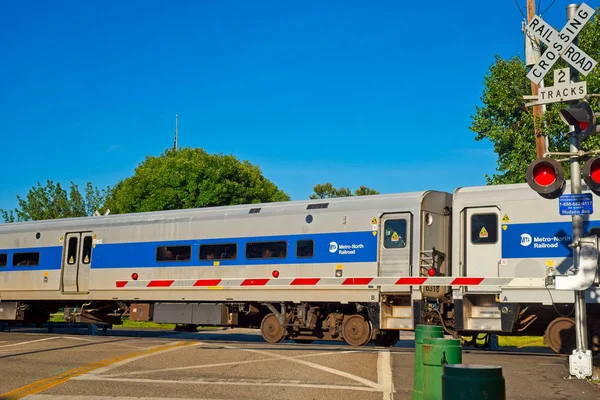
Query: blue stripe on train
{"type": "Point", "coordinates": [540, 239]}
{"type": "Point", "coordinates": [343, 247]}
{"type": "Point", "coordinates": [50, 258]}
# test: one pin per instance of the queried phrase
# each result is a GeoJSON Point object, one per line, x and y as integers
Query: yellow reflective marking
{"type": "Point", "coordinates": [47, 383]}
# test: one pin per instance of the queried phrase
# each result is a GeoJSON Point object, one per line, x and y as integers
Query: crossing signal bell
{"type": "Point", "coordinates": [582, 117]}
{"type": "Point", "coordinates": [546, 177]}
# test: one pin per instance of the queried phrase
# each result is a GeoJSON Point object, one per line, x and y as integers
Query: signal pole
{"type": "Point", "coordinates": [582, 122]}
{"type": "Point", "coordinates": [540, 142]}
{"type": "Point", "coordinates": [577, 220]}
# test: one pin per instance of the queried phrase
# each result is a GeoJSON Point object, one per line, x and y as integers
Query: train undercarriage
{"type": "Point", "coordinates": [354, 323]}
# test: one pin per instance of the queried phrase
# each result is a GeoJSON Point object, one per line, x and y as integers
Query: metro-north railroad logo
{"type": "Point", "coordinates": [526, 239]}
{"type": "Point", "coordinates": [333, 247]}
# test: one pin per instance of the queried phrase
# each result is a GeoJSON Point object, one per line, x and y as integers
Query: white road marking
{"type": "Point", "coordinates": [79, 338]}
{"type": "Point", "coordinates": [368, 385]}
{"type": "Point", "coordinates": [31, 341]}
{"type": "Point", "coordinates": [79, 397]}
{"type": "Point", "coordinates": [384, 374]}
{"type": "Point", "coordinates": [117, 364]}
{"type": "Point", "coordinates": [347, 375]}
{"type": "Point", "coordinates": [225, 364]}
{"type": "Point", "coordinates": [233, 381]}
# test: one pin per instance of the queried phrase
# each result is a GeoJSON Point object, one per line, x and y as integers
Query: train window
{"type": "Point", "coordinates": [227, 251]}
{"type": "Point", "coordinates": [3, 260]}
{"type": "Point", "coordinates": [173, 253]}
{"type": "Point", "coordinates": [72, 251]}
{"type": "Point", "coordinates": [394, 234]}
{"type": "Point", "coordinates": [266, 250]}
{"type": "Point", "coordinates": [305, 248]}
{"type": "Point", "coordinates": [21, 259]}
{"type": "Point", "coordinates": [86, 254]}
{"type": "Point", "coordinates": [484, 228]}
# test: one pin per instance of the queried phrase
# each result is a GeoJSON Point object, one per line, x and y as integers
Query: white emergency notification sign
{"type": "Point", "coordinates": [560, 44]}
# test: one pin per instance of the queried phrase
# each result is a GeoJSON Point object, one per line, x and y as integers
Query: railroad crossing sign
{"type": "Point", "coordinates": [560, 44]}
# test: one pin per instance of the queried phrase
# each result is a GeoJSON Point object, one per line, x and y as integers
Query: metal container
{"type": "Point", "coordinates": [422, 332]}
{"type": "Point", "coordinates": [139, 312]}
{"type": "Point", "coordinates": [473, 381]}
{"type": "Point", "coordinates": [437, 352]}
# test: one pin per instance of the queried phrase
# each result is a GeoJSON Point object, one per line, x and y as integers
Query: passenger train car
{"type": "Point", "coordinates": [357, 269]}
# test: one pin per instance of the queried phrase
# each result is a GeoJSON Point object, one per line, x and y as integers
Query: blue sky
{"type": "Point", "coordinates": [354, 94]}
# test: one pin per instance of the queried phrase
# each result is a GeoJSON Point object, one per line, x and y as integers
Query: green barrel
{"type": "Point", "coordinates": [436, 353]}
{"type": "Point", "coordinates": [422, 332]}
{"type": "Point", "coordinates": [473, 381]}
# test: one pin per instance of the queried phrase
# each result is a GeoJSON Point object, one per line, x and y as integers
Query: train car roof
{"type": "Point", "coordinates": [392, 202]}
{"type": "Point", "coordinates": [479, 195]}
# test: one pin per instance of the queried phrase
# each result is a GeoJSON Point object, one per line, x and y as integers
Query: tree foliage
{"type": "Point", "coordinates": [52, 201]}
{"type": "Point", "coordinates": [189, 178]}
{"type": "Point", "coordinates": [327, 190]}
{"type": "Point", "coordinates": [504, 120]}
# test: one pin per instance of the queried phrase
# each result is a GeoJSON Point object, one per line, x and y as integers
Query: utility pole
{"type": "Point", "coordinates": [176, 132]}
{"type": "Point", "coordinates": [540, 142]}
{"type": "Point", "coordinates": [577, 220]}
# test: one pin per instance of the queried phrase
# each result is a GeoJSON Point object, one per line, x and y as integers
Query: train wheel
{"type": "Point", "coordinates": [387, 338]}
{"type": "Point", "coordinates": [271, 330]}
{"type": "Point", "coordinates": [560, 335]}
{"type": "Point", "coordinates": [356, 331]}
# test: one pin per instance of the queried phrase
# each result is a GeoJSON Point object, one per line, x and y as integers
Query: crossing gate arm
{"type": "Point", "coordinates": [398, 283]}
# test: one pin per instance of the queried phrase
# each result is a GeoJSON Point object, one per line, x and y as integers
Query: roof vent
{"type": "Point", "coordinates": [316, 206]}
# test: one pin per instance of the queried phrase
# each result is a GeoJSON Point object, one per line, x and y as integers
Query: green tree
{"type": "Point", "coordinates": [52, 201]}
{"type": "Point", "coordinates": [504, 120]}
{"type": "Point", "coordinates": [327, 190]}
{"type": "Point", "coordinates": [189, 178]}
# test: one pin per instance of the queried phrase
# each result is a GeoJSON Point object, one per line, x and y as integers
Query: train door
{"type": "Point", "coordinates": [483, 249]}
{"type": "Point", "coordinates": [394, 244]}
{"type": "Point", "coordinates": [77, 259]}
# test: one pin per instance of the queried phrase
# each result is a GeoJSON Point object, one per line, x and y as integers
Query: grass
{"type": "Point", "coordinates": [128, 324]}
{"type": "Point", "coordinates": [521, 341]}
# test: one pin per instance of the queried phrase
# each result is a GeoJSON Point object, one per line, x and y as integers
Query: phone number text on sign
{"type": "Point", "coordinates": [575, 204]}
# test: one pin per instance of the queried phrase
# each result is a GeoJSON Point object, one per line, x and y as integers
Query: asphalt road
{"type": "Point", "coordinates": [237, 364]}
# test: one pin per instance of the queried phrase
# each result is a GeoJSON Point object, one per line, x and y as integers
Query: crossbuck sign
{"type": "Point", "coordinates": [560, 44]}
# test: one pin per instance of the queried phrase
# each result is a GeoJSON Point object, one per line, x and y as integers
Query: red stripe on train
{"type": "Point", "coordinates": [254, 282]}
{"type": "Point", "coordinates": [411, 281]}
{"type": "Point", "coordinates": [357, 281]}
{"type": "Point", "coordinates": [305, 281]}
{"type": "Point", "coordinates": [121, 283]}
{"type": "Point", "coordinates": [160, 283]}
{"type": "Point", "coordinates": [207, 282]}
{"type": "Point", "coordinates": [467, 281]}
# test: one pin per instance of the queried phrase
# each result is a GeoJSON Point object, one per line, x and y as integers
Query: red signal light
{"type": "Point", "coordinates": [544, 174]}
{"type": "Point", "coordinates": [546, 177]}
{"type": "Point", "coordinates": [591, 174]}
{"type": "Point", "coordinates": [583, 125]}
{"type": "Point", "coordinates": [275, 274]}
{"type": "Point", "coordinates": [595, 172]}
{"type": "Point", "coordinates": [134, 276]}
{"type": "Point", "coordinates": [431, 272]}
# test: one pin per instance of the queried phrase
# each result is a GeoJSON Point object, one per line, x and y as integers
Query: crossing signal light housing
{"type": "Point", "coordinates": [582, 117]}
{"type": "Point", "coordinates": [546, 177]}
{"type": "Point", "coordinates": [591, 174]}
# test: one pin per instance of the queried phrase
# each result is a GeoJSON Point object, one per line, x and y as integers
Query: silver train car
{"type": "Point", "coordinates": [357, 269]}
